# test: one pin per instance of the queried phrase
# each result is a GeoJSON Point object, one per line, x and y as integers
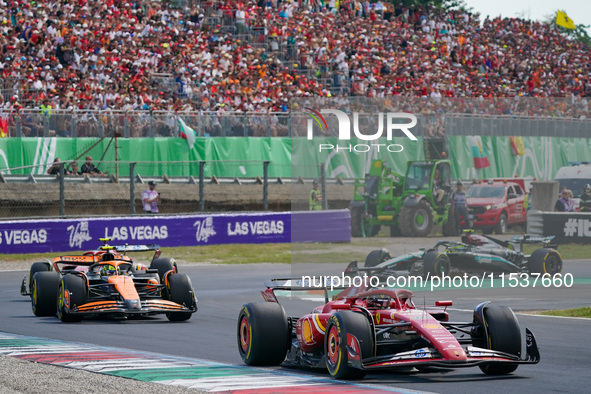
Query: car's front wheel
{"type": "Point", "coordinates": [504, 335]}
{"type": "Point", "coordinates": [337, 349]}
{"type": "Point", "coordinates": [71, 293]}
{"type": "Point", "coordinates": [180, 291]}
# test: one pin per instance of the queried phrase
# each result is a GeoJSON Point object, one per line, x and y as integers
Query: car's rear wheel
{"type": "Point", "coordinates": [163, 265]}
{"type": "Point", "coordinates": [504, 335]}
{"type": "Point", "coordinates": [263, 333]}
{"type": "Point", "coordinates": [501, 227]}
{"type": "Point", "coordinates": [376, 257]}
{"type": "Point", "coordinates": [180, 290]}
{"type": "Point", "coordinates": [338, 350]}
{"type": "Point", "coordinates": [435, 264]}
{"type": "Point", "coordinates": [71, 293]}
{"type": "Point", "coordinates": [44, 293]}
{"type": "Point", "coordinates": [545, 261]}
{"type": "Point", "coordinates": [41, 266]}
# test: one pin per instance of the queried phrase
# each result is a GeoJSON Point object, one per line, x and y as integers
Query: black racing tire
{"type": "Point", "coordinates": [180, 290]}
{"type": "Point", "coordinates": [335, 343]}
{"type": "Point", "coordinates": [487, 230]}
{"type": "Point", "coordinates": [435, 264]}
{"type": "Point", "coordinates": [263, 334]}
{"type": "Point", "coordinates": [44, 293]}
{"type": "Point", "coordinates": [501, 227]}
{"type": "Point", "coordinates": [545, 261]}
{"type": "Point", "coordinates": [449, 228]}
{"type": "Point", "coordinates": [376, 257]}
{"type": "Point", "coordinates": [72, 291]}
{"type": "Point", "coordinates": [416, 221]}
{"type": "Point", "coordinates": [356, 218]}
{"type": "Point", "coordinates": [503, 334]}
{"type": "Point", "coordinates": [163, 265]}
{"type": "Point", "coordinates": [41, 266]}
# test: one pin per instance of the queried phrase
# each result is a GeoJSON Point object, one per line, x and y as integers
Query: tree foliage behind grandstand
{"type": "Point", "coordinates": [446, 4]}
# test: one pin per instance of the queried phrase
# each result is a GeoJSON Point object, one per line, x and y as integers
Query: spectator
{"type": "Point", "coordinates": [99, 55]}
{"type": "Point", "coordinates": [151, 198]}
{"type": "Point", "coordinates": [89, 168]}
{"type": "Point", "coordinates": [315, 197]}
{"type": "Point", "coordinates": [55, 167]}
{"type": "Point", "coordinates": [459, 208]}
{"type": "Point", "coordinates": [74, 169]}
{"type": "Point", "coordinates": [438, 187]}
{"type": "Point", "coordinates": [586, 198]}
{"type": "Point", "coordinates": [565, 202]}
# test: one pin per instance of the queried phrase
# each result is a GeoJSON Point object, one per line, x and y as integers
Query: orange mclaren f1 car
{"type": "Point", "coordinates": [108, 282]}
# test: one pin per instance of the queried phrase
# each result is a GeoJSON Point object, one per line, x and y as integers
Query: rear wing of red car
{"type": "Point", "coordinates": [299, 284]}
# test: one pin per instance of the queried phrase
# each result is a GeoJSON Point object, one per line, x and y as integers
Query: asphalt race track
{"type": "Point", "coordinates": [222, 289]}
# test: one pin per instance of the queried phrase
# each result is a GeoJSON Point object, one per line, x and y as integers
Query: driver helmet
{"type": "Point", "coordinates": [109, 270]}
{"type": "Point", "coordinates": [377, 302]}
{"type": "Point", "coordinates": [587, 187]}
{"type": "Point", "coordinates": [474, 239]}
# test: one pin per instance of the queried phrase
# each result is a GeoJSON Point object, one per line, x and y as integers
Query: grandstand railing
{"type": "Point", "coordinates": [145, 123]}
{"type": "Point", "coordinates": [510, 125]}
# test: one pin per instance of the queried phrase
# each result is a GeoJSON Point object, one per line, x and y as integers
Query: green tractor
{"type": "Point", "coordinates": [407, 204]}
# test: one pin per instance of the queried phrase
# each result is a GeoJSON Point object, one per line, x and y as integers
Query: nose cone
{"type": "Point", "coordinates": [133, 304]}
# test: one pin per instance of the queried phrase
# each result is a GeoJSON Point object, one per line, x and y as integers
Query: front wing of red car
{"type": "Point", "coordinates": [430, 357]}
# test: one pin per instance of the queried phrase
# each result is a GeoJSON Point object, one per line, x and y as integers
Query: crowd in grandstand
{"type": "Point", "coordinates": [257, 55]}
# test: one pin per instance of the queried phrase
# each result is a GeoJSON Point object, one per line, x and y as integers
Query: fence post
{"type": "Point", "coordinates": [100, 130]}
{"type": "Point", "coordinates": [126, 125]}
{"type": "Point", "coordinates": [201, 184]}
{"type": "Point", "coordinates": [62, 173]}
{"type": "Point", "coordinates": [19, 129]}
{"type": "Point", "coordinates": [45, 126]}
{"type": "Point", "coordinates": [132, 188]}
{"type": "Point", "coordinates": [151, 124]}
{"type": "Point", "coordinates": [323, 183]}
{"type": "Point", "coordinates": [266, 185]}
{"type": "Point", "coordinates": [73, 129]}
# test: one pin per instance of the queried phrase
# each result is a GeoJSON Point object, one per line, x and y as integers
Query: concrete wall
{"type": "Point", "coordinates": [42, 199]}
{"type": "Point", "coordinates": [544, 195]}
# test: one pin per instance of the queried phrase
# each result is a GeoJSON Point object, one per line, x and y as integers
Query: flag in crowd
{"type": "Point", "coordinates": [478, 152]}
{"type": "Point", "coordinates": [3, 125]}
{"type": "Point", "coordinates": [517, 146]}
{"type": "Point", "coordinates": [187, 133]}
{"type": "Point", "coordinates": [563, 20]}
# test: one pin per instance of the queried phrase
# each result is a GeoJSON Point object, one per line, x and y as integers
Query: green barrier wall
{"type": "Point", "coordinates": [289, 157]}
{"type": "Point", "coordinates": [542, 158]}
{"type": "Point", "coordinates": [247, 154]}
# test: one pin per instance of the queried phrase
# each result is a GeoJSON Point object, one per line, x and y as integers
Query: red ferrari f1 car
{"type": "Point", "coordinates": [108, 282]}
{"type": "Point", "coordinates": [369, 329]}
